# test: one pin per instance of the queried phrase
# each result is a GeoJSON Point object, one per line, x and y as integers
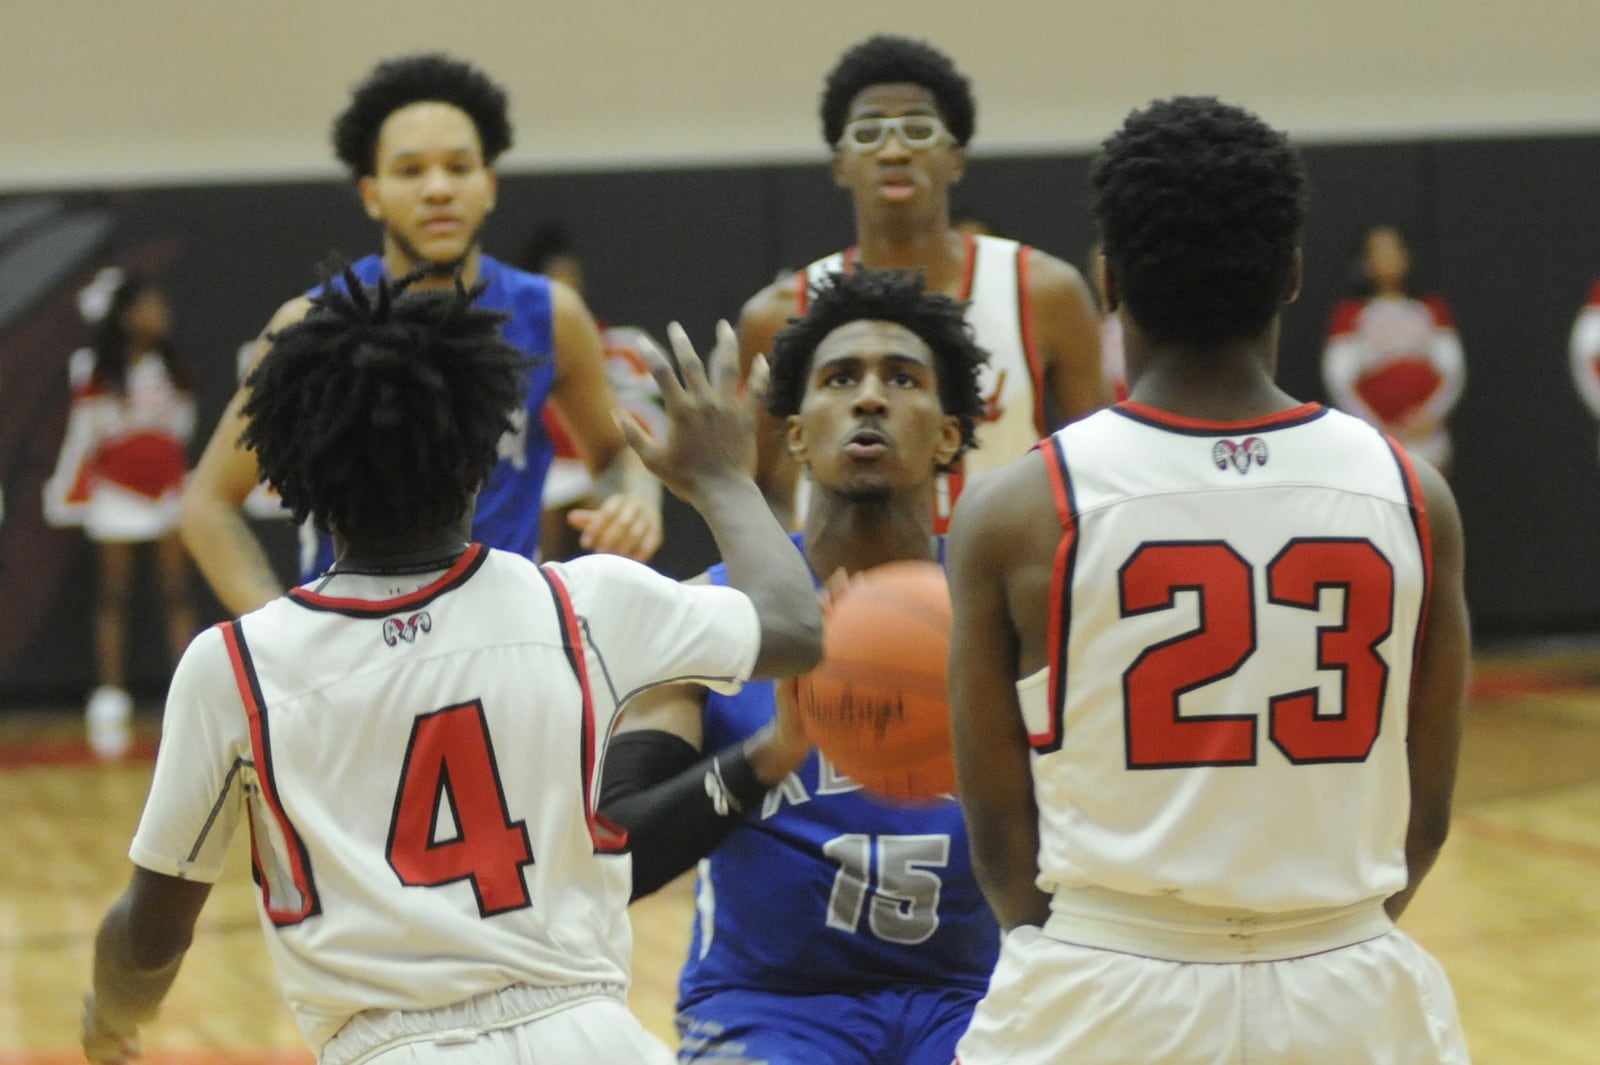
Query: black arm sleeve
{"type": "Point", "coordinates": [675, 805]}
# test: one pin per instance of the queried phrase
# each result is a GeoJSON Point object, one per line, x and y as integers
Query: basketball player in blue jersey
{"type": "Point", "coordinates": [830, 926]}
{"type": "Point", "coordinates": [898, 115]}
{"type": "Point", "coordinates": [1214, 646]}
{"type": "Point", "coordinates": [420, 136]}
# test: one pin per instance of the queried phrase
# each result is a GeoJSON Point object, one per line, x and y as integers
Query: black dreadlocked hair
{"type": "Point", "coordinates": [896, 296]}
{"type": "Point", "coordinates": [1200, 206]}
{"type": "Point", "coordinates": [405, 80]}
{"type": "Point", "coordinates": [378, 413]}
{"type": "Point", "coordinates": [885, 60]}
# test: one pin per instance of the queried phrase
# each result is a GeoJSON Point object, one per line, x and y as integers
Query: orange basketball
{"type": "Point", "coordinates": [876, 707]}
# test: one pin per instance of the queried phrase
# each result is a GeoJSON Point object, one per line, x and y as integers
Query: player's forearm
{"type": "Point", "coordinates": [227, 553]}
{"type": "Point", "coordinates": [1005, 860]}
{"type": "Point", "coordinates": [762, 562]}
{"type": "Point", "coordinates": [1424, 841]}
{"type": "Point", "coordinates": [130, 984]}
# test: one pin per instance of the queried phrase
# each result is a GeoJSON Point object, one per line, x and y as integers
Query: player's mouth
{"type": "Point", "coordinates": [897, 186]}
{"type": "Point", "coordinates": [441, 225]}
{"type": "Point", "coordinates": [867, 444]}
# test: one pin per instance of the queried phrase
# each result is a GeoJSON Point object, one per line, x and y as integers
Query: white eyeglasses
{"type": "Point", "coordinates": [917, 132]}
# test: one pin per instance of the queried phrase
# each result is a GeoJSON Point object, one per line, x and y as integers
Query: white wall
{"type": "Point", "coordinates": [99, 91]}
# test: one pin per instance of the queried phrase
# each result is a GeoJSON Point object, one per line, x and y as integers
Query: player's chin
{"type": "Point", "coordinates": [868, 489]}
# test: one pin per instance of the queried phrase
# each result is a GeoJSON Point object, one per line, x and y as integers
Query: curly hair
{"type": "Point", "coordinates": [405, 80]}
{"type": "Point", "coordinates": [1200, 206]}
{"type": "Point", "coordinates": [379, 412]}
{"type": "Point", "coordinates": [885, 60]}
{"type": "Point", "coordinates": [109, 340]}
{"type": "Point", "coordinates": [896, 296]}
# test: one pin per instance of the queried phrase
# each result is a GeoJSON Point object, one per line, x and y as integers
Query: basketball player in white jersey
{"type": "Point", "coordinates": [898, 116]}
{"type": "Point", "coordinates": [414, 742]}
{"type": "Point", "coordinates": [1213, 651]}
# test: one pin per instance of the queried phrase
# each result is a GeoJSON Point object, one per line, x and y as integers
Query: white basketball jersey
{"type": "Point", "coordinates": [419, 770]}
{"type": "Point", "coordinates": [1224, 714]}
{"type": "Point", "coordinates": [995, 288]}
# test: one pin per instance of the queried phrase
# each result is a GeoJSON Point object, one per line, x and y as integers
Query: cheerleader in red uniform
{"type": "Point", "coordinates": [1393, 358]}
{"type": "Point", "coordinates": [120, 474]}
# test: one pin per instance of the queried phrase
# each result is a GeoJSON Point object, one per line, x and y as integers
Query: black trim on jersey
{"type": "Point", "coordinates": [1269, 424]}
{"type": "Point", "coordinates": [1419, 524]}
{"type": "Point", "coordinates": [216, 807]}
{"type": "Point", "coordinates": [470, 562]}
{"type": "Point", "coordinates": [1056, 666]}
{"type": "Point", "coordinates": [269, 782]}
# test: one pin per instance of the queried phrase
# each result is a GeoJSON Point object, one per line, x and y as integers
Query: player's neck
{"type": "Point", "coordinates": [934, 249]}
{"type": "Point", "coordinates": [1231, 383]}
{"type": "Point", "coordinates": [853, 536]}
{"type": "Point", "coordinates": [397, 263]}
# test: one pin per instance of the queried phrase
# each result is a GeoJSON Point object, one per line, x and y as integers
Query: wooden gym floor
{"type": "Point", "coordinates": [1511, 910]}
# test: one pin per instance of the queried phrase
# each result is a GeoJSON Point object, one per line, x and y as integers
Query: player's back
{"type": "Point", "coordinates": [425, 767]}
{"type": "Point", "coordinates": [1224, 715]}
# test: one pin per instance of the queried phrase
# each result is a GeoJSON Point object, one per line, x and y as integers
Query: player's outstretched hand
{"type": "Point", "coordinates": [710, 428]}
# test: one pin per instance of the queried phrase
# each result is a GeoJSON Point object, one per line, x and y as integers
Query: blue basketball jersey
{"type": "Point", "coordinates": [509, 504]}
{"type": "Point", "coordinates": [827, 889]}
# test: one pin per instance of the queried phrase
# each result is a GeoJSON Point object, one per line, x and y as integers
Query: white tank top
{"type": "Point", "coordinates": [995, 288]}
{"type": "Point", "coordinates": [1223, 718]}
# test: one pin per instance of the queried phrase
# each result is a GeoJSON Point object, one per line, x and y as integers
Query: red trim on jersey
{"type": "Point", "coordinates": [1346, 315]}
{"type": "Point", "coordinates": [1442, 319]}
{"type": "Point", "coordinates": [255, 709]}
{"type": "Point", "coordinates": [802, 284]}
{"type": "Point", "coordinates": [1594, 295]}
{"type": "Point", "coordinates": [1058, 631]}
{"type": "Point", "coordinates": [1030, 350]}
{"type": "Point", "coordinates": [460, 570]}
{"type": "Point", "coordinates": [1419, 517]}
{"type": "Point", "coordinates": [606, 835]}
{"type": "Point", "coordinates": [1145, 412]}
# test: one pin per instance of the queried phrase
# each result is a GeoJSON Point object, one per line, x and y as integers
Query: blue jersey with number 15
{"type": "Point", "coordinates": [827, 889]}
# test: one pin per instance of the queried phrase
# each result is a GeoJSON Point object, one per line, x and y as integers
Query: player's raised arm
{"type": "Point", "coordinates": [212, 524]}
{"type": "Point", "coordinates": [705, 461]}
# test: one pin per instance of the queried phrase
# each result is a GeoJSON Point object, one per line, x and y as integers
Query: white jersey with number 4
{"type": "Point", "coordinates": [1238, 606]}
{"type": "Point", "coordinates": [418, 761]}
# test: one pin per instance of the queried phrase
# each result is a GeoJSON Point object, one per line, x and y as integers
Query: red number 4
{"type": "Point", "coordinates": [1158, 737]}
{"type": "Point", "coordinates": [450, 768]}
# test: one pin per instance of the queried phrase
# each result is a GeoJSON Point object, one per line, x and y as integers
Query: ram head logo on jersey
{"type": "Point", "coordinates": [1252, 449]}
{"type": "Point", "coordinates": [397, 629]}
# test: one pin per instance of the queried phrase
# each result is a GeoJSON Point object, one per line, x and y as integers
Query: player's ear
{"type": "Point", "coordinates": [949, 442]}
{"type": "Point", "coordinates": [795, 439]}
{"type": "Point", "coordinates": [494, 187]}
{"type": "Point", "coordinates": [959, 156]}
{"type": "Point", "coordinates": [837, 164]}
{"type": "Point", "coordinates": [1297, 273]}
{"type": "Point", "coordinates": [368, 188]}
{"type": "Point", "coordinates": [1105, 283]}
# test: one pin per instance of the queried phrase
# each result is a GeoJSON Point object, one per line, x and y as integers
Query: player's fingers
{"type": "Point", "coordinates": [635, 433]}
{"type": "Point", "coordinates": [759, 381]}
{"type": "Point", "coordinates": [725, 361]}
{"type": "Point", "coordinates": [665, 376]}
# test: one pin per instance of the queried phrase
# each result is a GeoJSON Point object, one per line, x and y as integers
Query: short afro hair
{"type": "Point", "coordinates": [379, 412]}
{"type": "Point", "coordinates": [886, 60]}
{"type": "Point", "coordinates": [405, 80]}
{"type": "Point", "coordinates": [896, 296]}
{"type": "Point", "coordinates": [1200, 206]}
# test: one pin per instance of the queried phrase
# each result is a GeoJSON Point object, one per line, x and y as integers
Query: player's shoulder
{"type": "Point", "coordinates": [778, 300]}
{"type": "Point", "coordinates": [1050, 277]}
{"type": "Point", "coordinates": [1005, 497]}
